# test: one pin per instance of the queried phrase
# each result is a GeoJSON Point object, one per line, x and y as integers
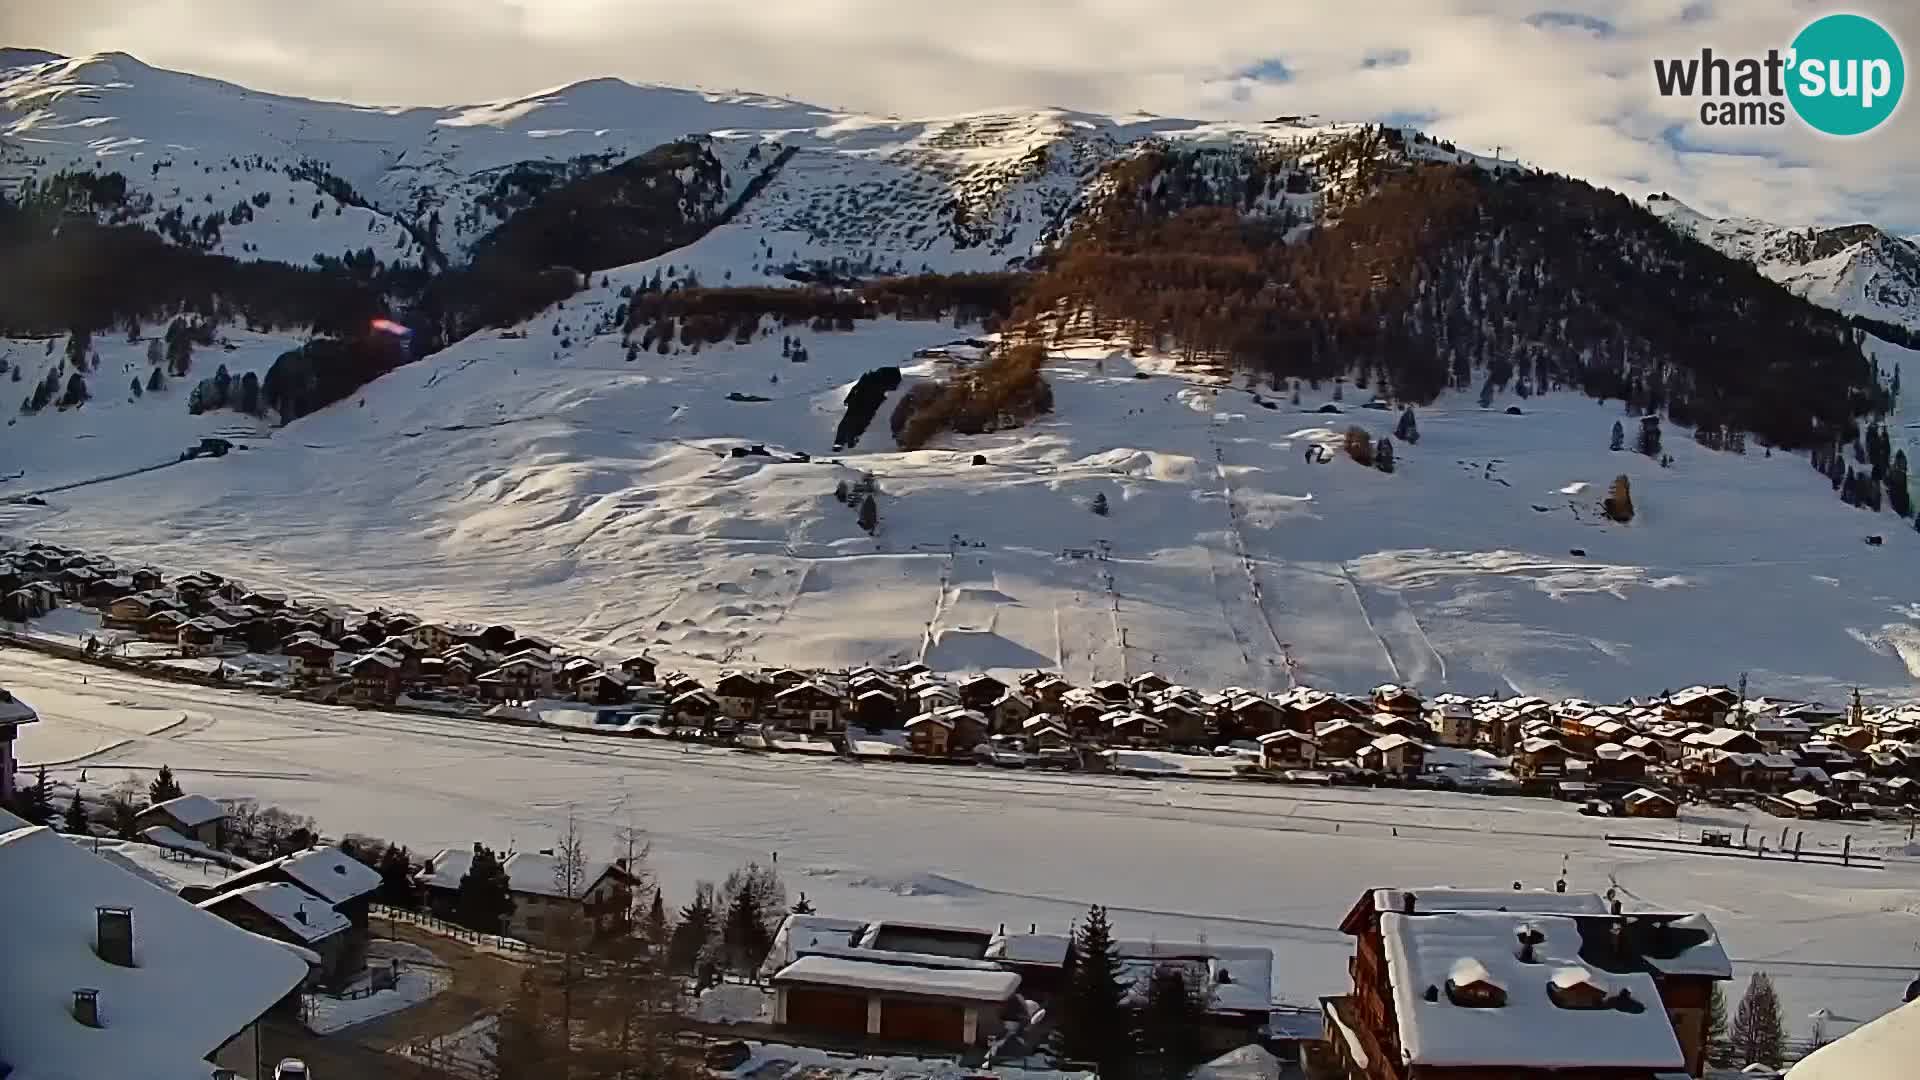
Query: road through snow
{"type": "Point", "coordinates": [1173, 859]}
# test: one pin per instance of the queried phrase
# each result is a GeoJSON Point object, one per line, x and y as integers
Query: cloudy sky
{"type": "Point", "coordinates": [1563, 84]}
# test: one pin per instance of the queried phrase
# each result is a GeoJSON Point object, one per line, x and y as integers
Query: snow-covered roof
{"type": "Point", "coordinates": [1638, 795]}
{"type": "Point", "coordinates": [1528, 1030]}
{"type": "Point", "coordinates": [305, 915]}
{"type": "Point", "coordinates": [1246, 1063]}
{"type": "Point", "coordinates": [1884, 1049]}
{"type": "Point", "coordinates": [801, 934]}
{"type": "Point", "coordinates": [446, 868]}
{"type": "Point", "coordinates": [1045, 949]}
{"type": "Point", "coordinates": [1682, 945]}
{"type": "Point", "coordinates": [534, 872]}
{"type": "Point", "coordinates": [1444, 899]}
{"type": "Point", "coordinates": [1388, 743]}
{"type": "Point", "coordinates": [192, 811]}
{"type": "Point", "coordinates": [327, 872]}
{"type": "Point", "coordinates": [1803, 797]}
{"type": "Point", "coordinates": [963, 984]}
{"type": "Point", "coordinates": [198, 979]}
{"type": "Point", "coordinates": [1239, 978]}
{"type": "Point", "coordinates": [14, 712]}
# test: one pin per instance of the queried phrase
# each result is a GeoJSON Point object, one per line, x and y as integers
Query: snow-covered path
{"type": "Point", "coordinates": [1261, 865]}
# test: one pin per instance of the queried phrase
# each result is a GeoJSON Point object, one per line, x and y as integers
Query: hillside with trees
{"type": "Point", "coordinates": [1448, 276]}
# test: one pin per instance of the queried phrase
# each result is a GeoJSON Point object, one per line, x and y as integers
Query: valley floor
{"type": "Point", "coordinates": [1173, 859]}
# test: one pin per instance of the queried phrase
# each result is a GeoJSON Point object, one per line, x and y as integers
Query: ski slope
{"type": "Point", "coordinates": [538, 477]}
{"type": "Point", "coordinates": [1253, 865]}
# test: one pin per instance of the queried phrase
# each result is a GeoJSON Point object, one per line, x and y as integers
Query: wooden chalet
{"type": "Point", "coordinates": [374, 678]}
{"type": "Point", "coordinates": [1461, 984]}
{"type": "Point", "coordinates": [1281, 750]}
{"type": "Point", "coordinates": [1396, 699]}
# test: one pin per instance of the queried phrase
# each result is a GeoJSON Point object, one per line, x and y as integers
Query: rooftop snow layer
{"type": "Point", "coordinates": [329, 873]}
{"type": "Point", "coordinates": [14, 712]}
{"type": "Point", "coordinates": [198, 979]}
{"type": "Point", "coordinates": [192, 811]}
{"type": "Point", "coordinates": [305, 915]}
{"type": "Point", "coordinates": [1448, 899]}
{"type": "Point", "coordinates": [962, 983]}
{"type": "Point", "coordinates": [1529, 1030]}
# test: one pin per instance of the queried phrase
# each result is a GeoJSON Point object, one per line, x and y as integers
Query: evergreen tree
{"type": "Point", "coordinates": [484, 901]}
{"type": "Point", "coordinates": [1486, 393]}
{"type": "Point", "coordinates": [134, 390]}
{"type": "Point", "coordinates": [524, 1040]}
{"type": "Point", "coordinates": [1716, 1026]}
{"type": "Point", "coordinates": [123, 815]}
{"type": "Point", "coordinates": [1383, 455]}
{"type": "Point", "coordinates": [656, 929]}
{"type": "Point", "coordinates": [693, 932]}
{"type": "Point", "coordinates": [156, 381]}
{"type": "Point", "coordinates": [1408, 429]}
{"type": "Point", "coordinates": [1170, 1023]}
{"type": "Point", "coordinates": [76, 816]}
{"type": "Point", "coordinates": [1899, 498]}
{"type": "Point", "coordinates": [1099, 505]}
{"type": "Point", "coordinates": [1648, 442]}
{"type": "Point", "coordinates": [744, 935]}
{"type": "Point", "coordinates": [164, 787]}
{"type": "Point", "coordinates": [36, 803]}
{"type": "Point", "coordinates": [1094, 1026]}
{"type": "Point", "coordinates": [156, 353]}
{"type": "Point", "coordinates": [1759, 1027]}
{"type": "Point", "coordinates": [396, 878]}
{"type": "Point", "coordinates": [76, 393]}
{"type": "Point", "coordinates": [869, 514]}
{"type": "Point", "coordinates": [1619, 440]}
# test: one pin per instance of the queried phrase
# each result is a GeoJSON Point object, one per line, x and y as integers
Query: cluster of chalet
{"type": "Point", "coordinates": [113, 976]}
{"type": "Point", "coordinates": [314, 901]}
{"type": "Point", "coordinates": [366, 658]}
{"type": "Point", "coordinates": [1040, 712]}
{"type": "Point", "coordinates": [1798, 759]}
{"type": "Point", "coordinates": [953, 987]}
{"type": "Point", "coordinates": [1522, 985]}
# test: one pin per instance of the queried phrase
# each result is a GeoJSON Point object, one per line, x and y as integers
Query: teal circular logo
{"type": "Point", "coordinates": [1847, 75]}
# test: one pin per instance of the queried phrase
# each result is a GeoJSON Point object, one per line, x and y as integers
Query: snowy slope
{"type": "Point", "coordinates": [545, 480]}
{"type": "Point", "coordinates": [1855, 269]}
{"type": "Point", "coordinates": [116, 431]}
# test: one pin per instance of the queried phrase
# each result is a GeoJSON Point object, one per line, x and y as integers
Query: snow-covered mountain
{"type": "Point", "coordinates": [556, 474]}
{"type": "Point", "coordinates": [1854, 269]}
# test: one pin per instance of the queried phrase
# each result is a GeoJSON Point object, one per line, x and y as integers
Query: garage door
{"type": "Point", "coordinates": [922, 1023]}
{"type": "Point", "coordinates": [827, 1010]}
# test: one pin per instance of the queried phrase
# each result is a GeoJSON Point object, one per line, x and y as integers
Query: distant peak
{"type": "Point", "coordinates": [13, 58]}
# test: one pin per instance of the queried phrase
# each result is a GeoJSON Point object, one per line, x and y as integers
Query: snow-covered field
{"type": "Point", "coordinates": [546, 481]}
{"type": "Point", "coordinates": [1258, 865]}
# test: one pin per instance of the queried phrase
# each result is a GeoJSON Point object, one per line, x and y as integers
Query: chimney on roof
{"type": "Point", "coordinates": [1529, 936]}
{"type": "Point", "coordinates": [300, 914]}
{"type": "Point", "coordinates": [86, 1007]}
{"type": "Point", "coordinates": [1616, 907]}
{"type": "Point", "coordinates": [113, 935]}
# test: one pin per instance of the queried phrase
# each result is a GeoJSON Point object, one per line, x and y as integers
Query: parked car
{"type": "Point", "coordinates": [291, 1069]}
